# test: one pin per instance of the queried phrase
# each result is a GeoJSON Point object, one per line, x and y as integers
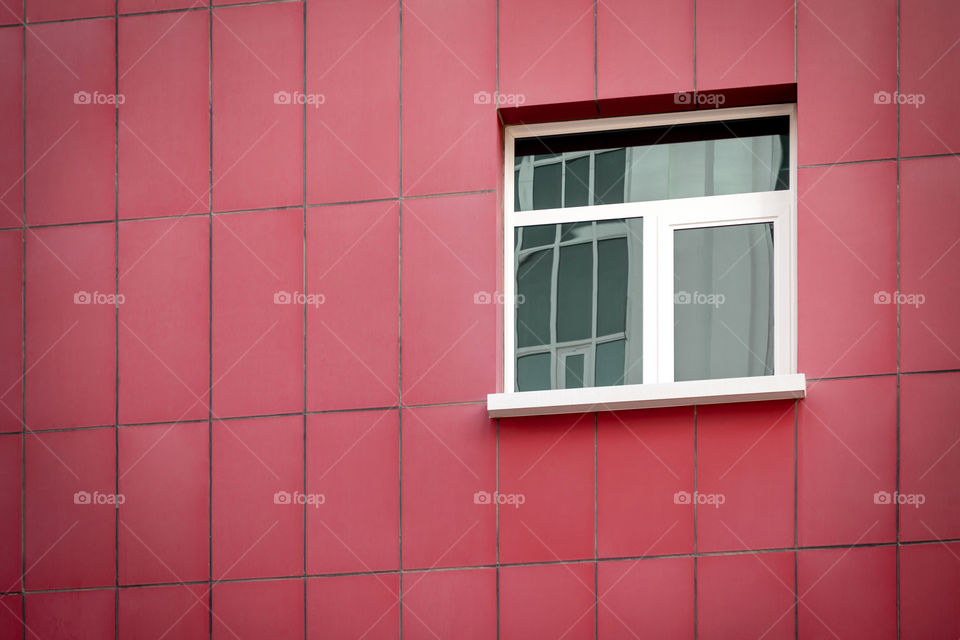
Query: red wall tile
{"type": "Point", "coordinates": [450, 604]}
{"type": "Point", "coordinates": [549, 460]}
{"type": "Point", "coordinates": [72, 615]}
{"type": "Point", "coordinates": [450, 128]}
{"type": "Point", "coordinates": [827, 578]}
{"type": "Point", "coordinates": [652, 598]}
{"type": "Point", "coordinates": [353, 142]}
{"type": "Point", "coordinates": [353, 337]}
{"type": "Point", "coordinates": [929, 64]}
{"type": "Point", "coordinates": [136, 6]}
{"type": "Point", "coordinates": [844, 58]}
{"type": "Point", "coordinates": [449, 454]}
{"type": "Point", "coordinates": [929, 457]}
{"type": "Point", "coordinates": [743, 43]}
{"type": "Point", "coordinates": [644, 458]}
{"type": "Point", "coordinates": [929, 590]}
{"type": "Point", "coordinates": [448, 256]}
{"type": "Point", "coordinates": [164, 531]}
{"type": "Point", "coordinates": [10, 512]}
{"type": "Point", "coordinates": [38, 10]}
{"type": "Point", "coordinates": [257, 137]}
{"type": "Point", "coordinates": [164, 342]}
{"type": "Point", "coordinates": [847, 439]}
{"type": "Point", "coordinates": [11, 13]}
{"type": "Point", "coordinates": [164, 126]}
{"type": "Point", "coordinates": [180, 611]}
{"type": "Point", "coordinates": [352, 459]}
{"type": "Point", "coordinates": [271, 609]}
{"type": "Point", "coordinates": [745, 595]}
{"type": "Point", "coordinates": [256, 533]}
{"type": "Point", "coordinates": [547, 601]}
{"type": "Point", "coordinates": [547, 50]}
{"type": "Point", "coordinates": [70, 543]}
{"type": "Point", "coordinates": [71, 347]}
{"type": "Point", "coordinates": [847, 262]}
{"type": "Point", "coordinates": [736, 445]}
{"type": "Point", "coordinates": [257, 322]}
{"type": "Point", "coordinates": [11, 123]}
{"type": "Point", "coordinates": [644, 47]}
{"type": "Point", "coordinates": [930, 333]}
{"type": "Point", "coordinates": [11, 618]}
{"type": "Point", "coordinates": [11, 330]}
{"type": "Point", "coordinates": [359, 606]}
{"type": "Point", "coordinates": [70, 144]}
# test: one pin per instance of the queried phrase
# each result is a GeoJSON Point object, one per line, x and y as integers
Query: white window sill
{"type": "Point", "coordinates": [645, 396]}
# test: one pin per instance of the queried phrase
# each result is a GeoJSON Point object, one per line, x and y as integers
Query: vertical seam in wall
{"type": "Point", "coordinates": [696, 558]}
{"type": "Point", "coordinates": [596, 529]}
{"type": "Point", "coordinates": [399, 317]}
{"type": "Point", "coordinates": [497, 541]}
{"type": "Point", "coordinates": [694, 78]}
{"type": "Point", "coordinates": [304, 285]}
{"type": "Point", "coordinates": [496, 83]}
{"type": "Point", "coordinates": [23, 332]}
{"type": "Point", "coordinates": [116, 317]}
{"type": "Point", "coordinates": [596, 58]}
{"type": "Point", "coordinates": [897, 421]}
{"type": "Point", "coordinates": [210, 326]}
{"type": "Point", "coordinates": [796, 524]}
{"type": "Point", "coordinates": [796, 39]}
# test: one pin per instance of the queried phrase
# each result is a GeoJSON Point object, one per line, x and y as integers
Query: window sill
{"type": "Point", "coordinates": [646, 396]}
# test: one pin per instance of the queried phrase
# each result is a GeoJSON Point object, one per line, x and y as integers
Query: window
{"type": "Point", "coordinates": [651, 261]}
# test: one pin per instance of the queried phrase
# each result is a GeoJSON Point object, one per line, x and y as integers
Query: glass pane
{"type": "Point", "coordinates": [658, 163]}
{"type": "Point", "coordinates": [534, 272]}
{"type": "Point", "coordinates": [538, 236]}
{"type": "Point", "coordinates": [575, 231]}
{"type": "Point", "coordinates": [723, 302]}
{"type": "Point", "coordinates": [533, 372]}
{"type": "Point", "coordinates": [611, 286]}
{"type": "Point", "coordinates": [575, 292]}
{"type": "Point", "coordinates": [609, 365]}
{"type": "Point", "coordinates": [546, 186]}
{"type": "Point", "coordinates": [576, 188]}
{"type": "Point", "coordinates": [573, 371]}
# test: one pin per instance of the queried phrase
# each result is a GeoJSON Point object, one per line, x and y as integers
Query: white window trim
{"type": "Point", "coordinates": [660, 219]}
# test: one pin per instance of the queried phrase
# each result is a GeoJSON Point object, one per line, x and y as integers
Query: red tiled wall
{"type": "Point", "coordinates": [208, 398]}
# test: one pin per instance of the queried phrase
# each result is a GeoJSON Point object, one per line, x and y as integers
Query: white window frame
{"type": "Point", "coordinates": [661, 218]}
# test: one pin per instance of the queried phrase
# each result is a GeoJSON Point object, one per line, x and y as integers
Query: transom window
{"type": "Point", "coordinates": [650, 251]}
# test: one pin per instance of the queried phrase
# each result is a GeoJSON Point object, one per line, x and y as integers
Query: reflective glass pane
{"type": "Point", "coordinates": [546, 186]}
{"type": "Point", "coordinates": [534, 274]}
{"type": "Point", "coordinates": [537, 236]}
{"type": "Point", "coordinates": [575, 231]}
{"type": "Point", "coordinates": [610, 176]}
{"type": "Point", "coordinates": [533, 372]}
{"type": "Point", "coordinates": [611, 286]}
{"type": "Point", "coordinates": [610, 363]}
{"type": "Point", "coordinates": [573, 371]}
{"type": "Point", "coordinates": [576, 187]}
{"type": "Point", "coordinates": [723, 302]}
{"type": "Point", "coordinates": [575, 292]}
